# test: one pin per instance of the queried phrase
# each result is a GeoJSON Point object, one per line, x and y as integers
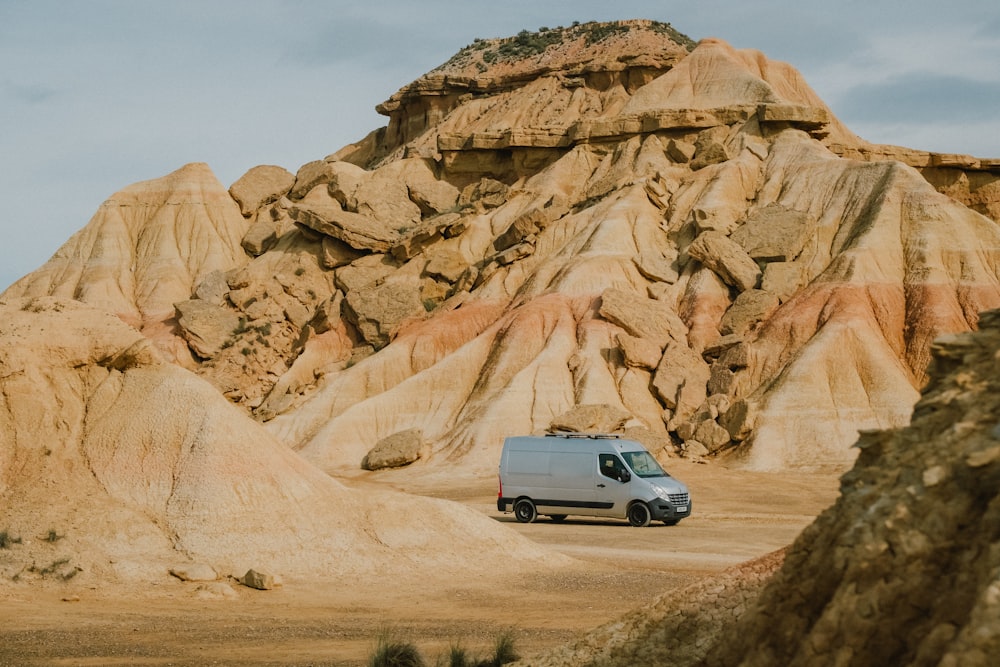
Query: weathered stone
{"type": "Point", "coordinates": [639, 352]}
{"type": "Point", "coordinates": [336, 253]}
{"type": "Point", "coordinates": [749, 309]}
{"type": "Point", "coordinates": [344, 181]}
{"type": "Point", "coordinates": [205, 326]}
{"type": "Point", "coordinates": [309, 175]}
{"type": "Point", "coordinates": [359, 231]}
{"type": "Point", "coordinates": [433, 196]}
{"type": "Point", "coordinates": [656, 267]}
{"type": "Point", "coordinates": [378, 310]}
{"type": "Point", "coordinates": [194, 572]}
{"type": "Point", "coordinates": [514, 253]}
{"type": "Point", "coordinates": [710, 148]}
{"type": "Point", "coordinates": [213, 288]}
{"type": "Point", "coordinates": [774, 233]}
{"type": "Point", "coordinates": [721, 345]}
{"type": "Point", "coordinates": [260, 580]}
{"type": "Point", "coordinates": [260, 186]}
{"type": "Point", "coordinates": [642, 317]}
{"type": "Point", "coordinates": [261, 236]}
{"type": "Point", "coordinates": [727, 259]}
{"type": "Point", "coordinates": [487, 192]}
{"type": "Point", "coordinates": [448, 265]}
{"type": "Point", "coordinates": [680, 151]}
{"type": "Point", "coordinates": [397, 450]}
{"type": "Point", "coordinates": [680, 379]}
{"type": "Point", "coordinates": [415, 242]}
{"type": "Point", "coordinates": [592, 418]}
{"type": "Point", "coordinates": [739, 419]}
{"type": "Point", "coordinates": [784, 279]}
{"type": "Point", "coordinates": [384, 197]}
{"type": "Point", "coordinates": [711, 435]}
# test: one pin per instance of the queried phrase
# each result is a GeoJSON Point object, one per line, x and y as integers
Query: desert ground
{"type": "Point", "coordinates": [737, 516]}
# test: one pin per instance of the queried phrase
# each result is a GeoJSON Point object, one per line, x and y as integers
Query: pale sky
{"type": "Point", "coordinates": [98, 94]}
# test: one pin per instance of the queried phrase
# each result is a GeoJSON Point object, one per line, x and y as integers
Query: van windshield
{"type": "Point", "coordinates": [643, 464]}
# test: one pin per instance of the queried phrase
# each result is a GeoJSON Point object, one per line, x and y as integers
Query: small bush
{"type": "Point", "coordinates": [300, 271]}
{"type": "Point", "coordinates": [241, 327]}
{"type": "Point", "coordinates": [53, 536]}
{"type": "Point", "coordinates": [7, 540]}
{"type": "Point", "coordinates": [246, 351]}
{"type": "Point", "coordinates": [390, 652]}
{"type": "Point", "coordinates": [503, 650]}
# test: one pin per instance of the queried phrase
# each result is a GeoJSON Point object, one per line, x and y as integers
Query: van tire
{"type": "Point", "coordinates": [558, 518]}
{"type": "Point", "coordinates": [524, 510]}
{"type": "Point", "coordinates": [639, 515]}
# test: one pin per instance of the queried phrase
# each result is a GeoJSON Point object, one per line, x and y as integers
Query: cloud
{"type": "Point", "coordinates": [921, 98]}
{"type": "Point", "coordinates": [26, 93]}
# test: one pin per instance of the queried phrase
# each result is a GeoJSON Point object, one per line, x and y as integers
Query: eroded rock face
{"type": "Point", "coordinates": [624, 218]}
{"type": "Point", "coordinates": [153, 467]}
{"type": "Point", "coordinates": [917, 507]}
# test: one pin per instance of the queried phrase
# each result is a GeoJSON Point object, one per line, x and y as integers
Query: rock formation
{"type": "Point", "coordinates": [130, 467]}
{"type": "Point", "coordinates": [901, 570]}
{"type": "Point", "coordinates": [606, 214]}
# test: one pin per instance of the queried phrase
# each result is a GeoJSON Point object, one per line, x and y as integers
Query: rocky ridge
{"type": "Point", "coordinates": [686, 236]}
{"type": "Point", "coordinates": [901, 570]}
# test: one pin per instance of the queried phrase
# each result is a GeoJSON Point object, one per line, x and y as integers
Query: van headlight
{"type": "Point", "coordinates": [660, 491]}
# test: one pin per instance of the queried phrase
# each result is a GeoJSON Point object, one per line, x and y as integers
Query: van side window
{"type": "Point", "coordinates": [612, 466]}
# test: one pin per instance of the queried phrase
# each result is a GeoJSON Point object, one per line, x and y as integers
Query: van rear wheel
{"type": "Point", "coordinates": [638, 514]}
{"type": "Point", "coordinates": [524, 510]}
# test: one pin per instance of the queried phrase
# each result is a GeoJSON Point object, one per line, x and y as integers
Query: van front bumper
{"type": "Point", "coordinates": [661, 510]}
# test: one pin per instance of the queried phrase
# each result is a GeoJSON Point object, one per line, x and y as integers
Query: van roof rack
{"type": "Point", "coordinates": [575, 434]}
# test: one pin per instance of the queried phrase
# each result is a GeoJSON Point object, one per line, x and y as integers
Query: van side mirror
{"type": "Point", "coordinates": [624, 476]}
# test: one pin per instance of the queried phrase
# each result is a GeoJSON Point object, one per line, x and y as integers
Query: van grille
{"type": "Point", "coordinates": [678, 498]}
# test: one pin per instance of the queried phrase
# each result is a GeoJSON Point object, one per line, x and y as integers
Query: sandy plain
{"type": "Point", "coordinates": [738, 515]}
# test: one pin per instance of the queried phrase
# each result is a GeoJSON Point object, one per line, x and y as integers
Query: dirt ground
{"type": "Point", "coordinates": [736, 516]}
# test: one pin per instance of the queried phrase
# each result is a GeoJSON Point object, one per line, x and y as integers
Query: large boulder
{"type": "Point", "coordinates": [727, 259]}
{"type": "Point", "coordinates": [397, 450]}
{"type": "Point", "coordinates": [774, 233]}
{"type": "Point", "coordinates": [641, 316]}
{"type": "Point", "coordinates": [260, 186]}
{"type": "Point", "coordinates": [206, 326]}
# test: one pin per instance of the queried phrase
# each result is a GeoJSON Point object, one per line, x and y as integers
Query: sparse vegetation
{"type": "Point", "coordinates": [300, 271]}
{"type": "Point", "coordinates": [246, 351]}
{"type": "Point", "coordinates": [391, 652]}
{"type": "Point", "coordinates": [7, 540]}
{"type": "Point", "coordinates": [52, 536]}
{"type": "Point", "coordinates": [528, 44]}
{"type": "Point", "coordinates": [242, 327]}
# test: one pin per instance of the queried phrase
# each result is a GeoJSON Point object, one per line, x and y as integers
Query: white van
{"type": "Point", "coordinates": [559, 474]}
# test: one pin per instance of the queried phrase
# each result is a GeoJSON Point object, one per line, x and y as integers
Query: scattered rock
{"type": "Point", "coordinates": [216, 590]}
{"type": "Point", "coordinates": [397, 450]}
{"type": "Point", "coordinates": [260, 580]}
{"type": "Point", "coordinates": [749, 309]}
{"type": "Point", "coordinates": [774, 233]}
{"type": "Point", "coordinates": [642, 317]}
{"type": "Point", "coordinates": [727, 259]}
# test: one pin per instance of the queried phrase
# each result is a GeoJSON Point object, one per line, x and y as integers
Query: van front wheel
{"type": "Point", "coordinates": [524, 510]}
{"type": "Point", "coordinates": [638, 514]}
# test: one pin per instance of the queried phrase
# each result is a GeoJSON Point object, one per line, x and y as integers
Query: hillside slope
{"type": "Point", "coordinates": [606, 215]}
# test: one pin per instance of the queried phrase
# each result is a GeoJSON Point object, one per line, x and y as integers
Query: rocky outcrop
{"type": "Point", "coordinates": [145, 249]}
{"type": "Point", "coordinates": [261, 186]}
{"type": "Point", "coordinates": [918, 506]}
{"type": "Point", "coordinates": [601, 214]}
{"type": "Point", "coordinates": [149, 465]}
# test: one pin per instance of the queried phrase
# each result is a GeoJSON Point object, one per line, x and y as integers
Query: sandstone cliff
{"type": "Point", "coordinates": [605, 216]}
